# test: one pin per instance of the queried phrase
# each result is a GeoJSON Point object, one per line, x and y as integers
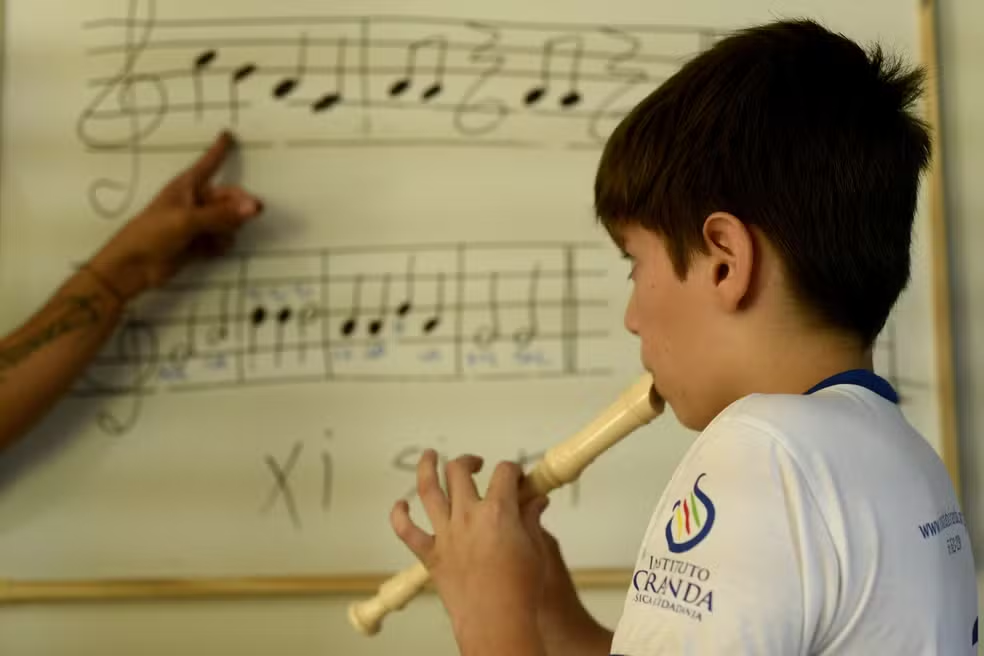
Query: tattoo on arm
{"type": "Point", "coordinates": [79, 312]}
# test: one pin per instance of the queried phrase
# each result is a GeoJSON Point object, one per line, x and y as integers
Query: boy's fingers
{"type": "Point", "coordinates": [461, 485]}
{"type": "Point", "coordinates": [532, 512]}
{"type": "Point", "coordinates": [416, 539]}
{"type": "Point", "coordinates": [505, 483]}
{"type": "Point", "coordinates": [429, 490]}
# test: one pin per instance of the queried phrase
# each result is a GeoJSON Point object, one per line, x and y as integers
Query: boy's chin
{"type": "Point", "coordinates": [689, 417]}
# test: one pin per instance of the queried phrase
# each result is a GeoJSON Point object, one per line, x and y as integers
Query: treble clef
{"type": "Point", "coordinates": [138, 357]}
{"type": "Point", "coordinates": [110, 197]}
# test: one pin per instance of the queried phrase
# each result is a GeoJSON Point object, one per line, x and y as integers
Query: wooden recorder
{"type": "Point", "coordinates": [562, 464]}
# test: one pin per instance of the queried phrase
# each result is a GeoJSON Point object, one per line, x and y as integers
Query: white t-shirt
{"type": "Point", "coordinates": [819, 524]}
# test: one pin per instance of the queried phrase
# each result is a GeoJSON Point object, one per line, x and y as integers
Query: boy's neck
{"type": "Point", "coordinates": [794, 365]}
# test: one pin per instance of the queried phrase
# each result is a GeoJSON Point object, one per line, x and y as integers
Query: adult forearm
{"type": "Point", "coordinates": [39, 361]}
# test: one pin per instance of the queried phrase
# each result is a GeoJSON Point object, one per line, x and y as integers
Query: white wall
{"type": "Point", "coordinates": [961, 25]}
{"type": "Point", "coordinates": [962, 51]}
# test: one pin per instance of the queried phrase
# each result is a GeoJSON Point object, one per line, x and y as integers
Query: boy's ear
{"type": "Point", "coordinates": [731, 249]}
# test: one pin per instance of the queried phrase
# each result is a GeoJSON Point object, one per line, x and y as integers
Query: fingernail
{"type": "Point", "coordinates": [248, 207]}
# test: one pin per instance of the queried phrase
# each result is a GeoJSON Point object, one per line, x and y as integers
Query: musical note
{"type": "Point", "coordinates": [350, 325]}
{"type": "Point", "coordinates": [486, 335]}
{"type": "Point", "coordinates": [404, 309]}
{"type": "Point", "coordinates": [283, 318]}
{"type": "Point", "coordinates": [289, 85]}
{"type": "Point", "coordinates": [376, 325]}
{"type": "Point", "coordinates": [184, 351]}
{"type": "Point", "coordinates": [308, 315]}
{"type": "Point", "coordinates": [572, 97]}
{"type": "Point", "coordinates": [440, 47]}
{"type": "Point", "coordinates": [220, 331]}
{"type": "Point", "coordinates": [202, 62]}
{"type": "Point", "coordinates": [256, 320]}
{"type": "Point", "coordinates": [239, 76]}
{"type": "Point", "coordinates": [435, 320]}
{"type": "Point", "coordinates": [527, 333]}
{"type": "Point", "coordinates": [332, 98]}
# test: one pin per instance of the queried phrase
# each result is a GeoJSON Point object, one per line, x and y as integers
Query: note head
{"type": "Point", "coordinates": [326, 102]}
{"type": "Point", "coordinates": [205, 59]}
{"type": "Point", "coordinates": [259, 316]}
{"type": "Point", "coordinates": [570, 100]}
{"type": "Point", "coordinates": [523, 337]}
{"type": "Point", "coordinates": [486, 336]}
{"type": "Point", "coordinates": [348, 328]}
{"type": "Point", "coordinates": [284, 315]}
{"type": "Point", "coordinates": [308, 313]}
{"type": "Point", "coordinates": [181, 353]}
{"type": "Point", "coordinates": [535, 95]}
{"type": "Point", "coordinates": [431, 325]}
{"type": "Point", "coordinates": [375, 327]}
{"type": "Point", "coordinates": [404, 309]}
{"type": "Point", "coordinates": [285, 88]}
{"type": "Point", "coordinates": [217, 335]}
{"type": "Point", "coordinates": [399, 87]}
{"type": "Point", "coordinates": [243, 72]}
{"type": "Point", "coordinates": [432, 92]}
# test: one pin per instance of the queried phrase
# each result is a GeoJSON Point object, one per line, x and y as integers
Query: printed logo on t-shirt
{"type": "Point", "coordinates": [691, 521]}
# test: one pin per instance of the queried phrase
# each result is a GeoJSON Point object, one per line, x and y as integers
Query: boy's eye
{"type": "Point", "coordinates": [631, 261]}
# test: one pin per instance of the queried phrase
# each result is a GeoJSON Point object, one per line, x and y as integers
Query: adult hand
{"type": "Point", "coordinates": [189, 217]}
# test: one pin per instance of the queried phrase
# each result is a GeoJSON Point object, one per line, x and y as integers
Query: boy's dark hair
{"type": "Point", "coordinates": [797, 131]}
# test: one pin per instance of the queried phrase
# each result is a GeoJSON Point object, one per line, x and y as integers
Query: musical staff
{"type": "Point", "coordinates": [362, 81]}
{"type": "Point", "coordinates": [339, 303]}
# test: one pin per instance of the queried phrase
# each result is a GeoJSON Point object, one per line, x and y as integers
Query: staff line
{"type": "Point", "coordinates": [349, 279]}
{"type": "Point", "coordinates": [308, 20]}
{"type": "Point", "coordinates": [381, 44]}
{"type": "Point", "coordinates": [394, 71]}
{"type": "Point", "coordinates": [425, 309]}
{"type": "Point", "coordinates": [337, 343]}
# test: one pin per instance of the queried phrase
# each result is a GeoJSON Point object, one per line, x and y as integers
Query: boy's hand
{"type": "Point", "coordinates": [485, 556]}
{"type": "Point", "coordinates": [566, 626]}
{"type": "Point", "coordinates": [188, 217]}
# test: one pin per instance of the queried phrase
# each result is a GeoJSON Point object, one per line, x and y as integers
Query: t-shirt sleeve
{"type": "Point", "coordinates": [735, 558]}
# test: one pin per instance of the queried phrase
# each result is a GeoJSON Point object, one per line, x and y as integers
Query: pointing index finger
{"type": "Point", "coordinates": [210, 162]}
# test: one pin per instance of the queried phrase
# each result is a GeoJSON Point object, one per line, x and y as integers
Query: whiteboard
{"type": "Point", "coordinates": [428, 273]}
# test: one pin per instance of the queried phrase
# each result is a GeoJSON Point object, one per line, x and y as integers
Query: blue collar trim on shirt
{"type": "Point", "coordinates": [862, 377]}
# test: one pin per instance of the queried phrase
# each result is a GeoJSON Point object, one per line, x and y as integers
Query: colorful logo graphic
{"type": "Point", "coordinates": [692, 520]}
